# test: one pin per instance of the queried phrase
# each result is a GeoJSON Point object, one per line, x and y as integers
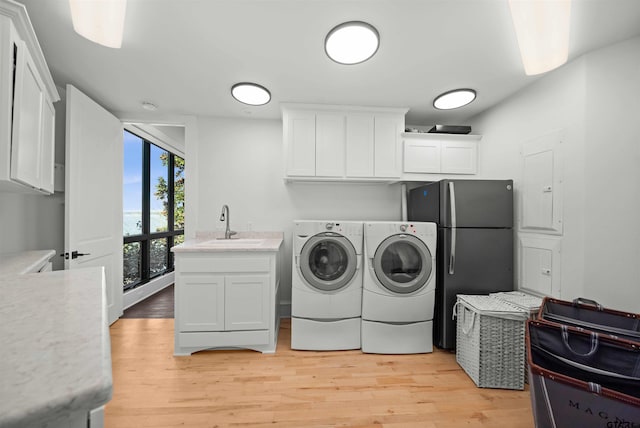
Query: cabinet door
{"type": "Point", "coordinates": [247, 302]}
{"type": "Point", "coordinates": [330, 144]}
{"type": "Point", "coordinates": [48, 146]}
{"type": "Point", "coordinates": [422, 156]}
{"type": "Point", "coordinates": [360, 145]}
{"type": "Point", "coordinates": [459, 157]}
{"type": "Point", "coordinates": [541, 193]}
{"type": "Point", "coordinates": [26, 141]}
{"type": "Point", "coordinates": [200, 300]}
{"type": "Point", "coordinates": [300, 137]}
{"type": "Point", "coordinates": [387, 160]}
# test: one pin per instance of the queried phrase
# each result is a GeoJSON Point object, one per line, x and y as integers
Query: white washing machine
{"type": "Point", "coordinates": [399, 281]}
{"type": "Point", "coordinates": [326, 293]}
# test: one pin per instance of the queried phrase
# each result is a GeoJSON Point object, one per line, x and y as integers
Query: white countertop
{"type": "Point", "coordinates": [55, 352]}
{"type": "Point", "coordinates": [23, 262]}
{"type": "Point", "coordinates": [243, 241]}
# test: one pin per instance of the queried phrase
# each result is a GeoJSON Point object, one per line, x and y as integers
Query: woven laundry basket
{"type": "Point", "coordinates": [491, 341]}
{"type": "Point", "coordinates": [527, 302]}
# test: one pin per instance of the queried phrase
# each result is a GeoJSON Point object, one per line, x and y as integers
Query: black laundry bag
{"type": "Point", "coordinates": [592, 316]}
{"type": "Point", "coordinates": [580, 378]}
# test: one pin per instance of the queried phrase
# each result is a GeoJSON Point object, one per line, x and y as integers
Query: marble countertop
{"type": "Point", "coordinates": [23, 261]}
{"type": "Point", "coordinates": [55, 350]}
{"type": "Point", "coordinates": [243, 241]}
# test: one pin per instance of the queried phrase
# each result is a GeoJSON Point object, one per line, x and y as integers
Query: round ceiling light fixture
{"type": "Point", "coordinates": [251, 93]}
{"type": "Point", "coordinates": [454, 99]}
{"type": "Point", "coordinates": [352, 42]}
{"type": "Point", "coordinates": [149, 106]}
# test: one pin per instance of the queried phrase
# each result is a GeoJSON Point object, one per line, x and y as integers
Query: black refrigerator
{"type": "Point", "coordinates": [475, 242]}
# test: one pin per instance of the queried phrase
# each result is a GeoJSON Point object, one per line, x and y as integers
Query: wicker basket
{"type": "Point", "coordinates": [527, 302]}
{"type": "Point", "coordinates": [490, 341]}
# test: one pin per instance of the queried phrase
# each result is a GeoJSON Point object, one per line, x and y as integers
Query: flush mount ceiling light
{"type": "Point", "coordinates": [149, 106]}
{"type": "Point", "coordinates": [101, 21]}
{"type": "Point", "coordinates": [542, 29]}
{"type": "Point", "coordinates": [454, 99]}
{"type": "Point", "coordinates": [352, 42]}
{"type": "Point", "coordinates": [250, 93]}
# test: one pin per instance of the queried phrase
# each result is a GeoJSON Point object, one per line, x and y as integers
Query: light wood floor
{"type": "Point", "coordinates": [152, 388]}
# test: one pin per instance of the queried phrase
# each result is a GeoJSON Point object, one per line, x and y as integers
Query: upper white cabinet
{"type": "Point", "coordinates": [426, 153]}
{"type": "Point", "coordinates": [27, 94]}
{"type": "Point", "coordinates": [342, 143]}
{"type": "Point", "coordinates": [300, 130]}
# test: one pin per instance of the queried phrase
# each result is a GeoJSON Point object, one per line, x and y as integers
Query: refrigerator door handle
{"type": "Point", "coordinates": [452, 200]}
{"type": "Point", "coordinates": [452, 256]}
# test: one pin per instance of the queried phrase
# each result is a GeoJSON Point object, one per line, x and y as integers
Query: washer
{"type": "Point", "coordinates": [326, 292]}
{"type": "Point", "coordinates": [399, 281]}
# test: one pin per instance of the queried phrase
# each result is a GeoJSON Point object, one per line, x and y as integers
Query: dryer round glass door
{"type": "Point", "coordinates": [328, 261]}
{"type": "Point", "coordinates": [402, 263]}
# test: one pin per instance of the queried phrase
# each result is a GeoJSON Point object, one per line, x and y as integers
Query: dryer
{"type": "Point", "coordinates": [399, 281]}
{"type": "Point", "coordinates": [326, 285]}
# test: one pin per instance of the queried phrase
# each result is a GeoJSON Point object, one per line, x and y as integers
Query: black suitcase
{"type": "Point", "coordinates": [580, 378]}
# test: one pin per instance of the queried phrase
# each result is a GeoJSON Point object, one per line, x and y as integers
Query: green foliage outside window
{"type": "Point", "coordinates": [162, 191]}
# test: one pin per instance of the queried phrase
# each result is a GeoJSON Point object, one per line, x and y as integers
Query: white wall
{"type": "Point", "coordinates": [240, 163]}
{"type": "Point", "coordinates": [32, 222]}
{"type": "Point", "coordinates": [612, 178]}
{"type": "Point", "coordinates": [36, 222]}
{"type": "Point", "coordinates": [588, 99]}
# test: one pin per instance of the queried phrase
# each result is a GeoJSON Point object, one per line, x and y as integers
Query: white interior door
{"type": "Point", "coordinates": [93, 193]}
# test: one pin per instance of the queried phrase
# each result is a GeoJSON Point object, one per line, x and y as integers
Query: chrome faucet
{"type": "Point", "coordinates": [224, 215]}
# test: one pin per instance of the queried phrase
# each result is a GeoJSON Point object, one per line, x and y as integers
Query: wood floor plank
{"type": "Point", "coordinates": [242, 388]}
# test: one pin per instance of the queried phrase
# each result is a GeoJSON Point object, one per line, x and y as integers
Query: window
{"type": "Point", "coordinates": [153, 209]}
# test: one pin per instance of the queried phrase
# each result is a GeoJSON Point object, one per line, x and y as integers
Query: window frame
{"type": "Point", "coordinates": [147, 236]}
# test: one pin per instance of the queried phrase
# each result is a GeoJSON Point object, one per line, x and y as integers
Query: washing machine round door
{"type": "Point", "coordinates": [402, 263]}
{"type": "Point", "coordinates": [328, 261]}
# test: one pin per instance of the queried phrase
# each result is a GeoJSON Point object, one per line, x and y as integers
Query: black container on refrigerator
{"type": "Point", "coordinates": [475, 242]}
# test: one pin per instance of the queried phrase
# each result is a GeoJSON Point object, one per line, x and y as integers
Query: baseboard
{"type": "Point", "coordinates": [138, 294]}
{"type": "Point", "coordinates": [285, 309]}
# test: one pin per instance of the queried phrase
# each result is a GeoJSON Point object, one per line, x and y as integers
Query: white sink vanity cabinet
{"type": "Point", "coordinates": [226, 293]}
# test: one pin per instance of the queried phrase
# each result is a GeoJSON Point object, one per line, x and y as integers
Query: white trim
{"type": "Point", "coordinates": [284, 107]}
{"type": "Point", "coordinates": [157, 137]}
{"type": "Point", "coordinates": [138, 294]}
{"type": "Point", "coordinates": [18, 14]}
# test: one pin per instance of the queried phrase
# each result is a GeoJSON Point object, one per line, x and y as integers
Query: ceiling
{"type": "Point", "coordinates": [184, 55]}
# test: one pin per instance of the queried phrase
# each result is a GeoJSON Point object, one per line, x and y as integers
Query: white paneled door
{"type": "Point", "coordinates": [93, 193]}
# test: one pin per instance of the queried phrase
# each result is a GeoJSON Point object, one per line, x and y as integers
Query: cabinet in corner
{"type": "Point", "coordinates": [426, 153]}
{"type": "Point", "coordinates": [27, 116]}
{"type": "Point", "coordinates": [342, 143]}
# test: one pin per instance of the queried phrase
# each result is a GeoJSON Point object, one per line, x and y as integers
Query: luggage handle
{"type": "Point", "coordinates": [594, 342]}
{"type": "Point", "coordinates": [584, 301]}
